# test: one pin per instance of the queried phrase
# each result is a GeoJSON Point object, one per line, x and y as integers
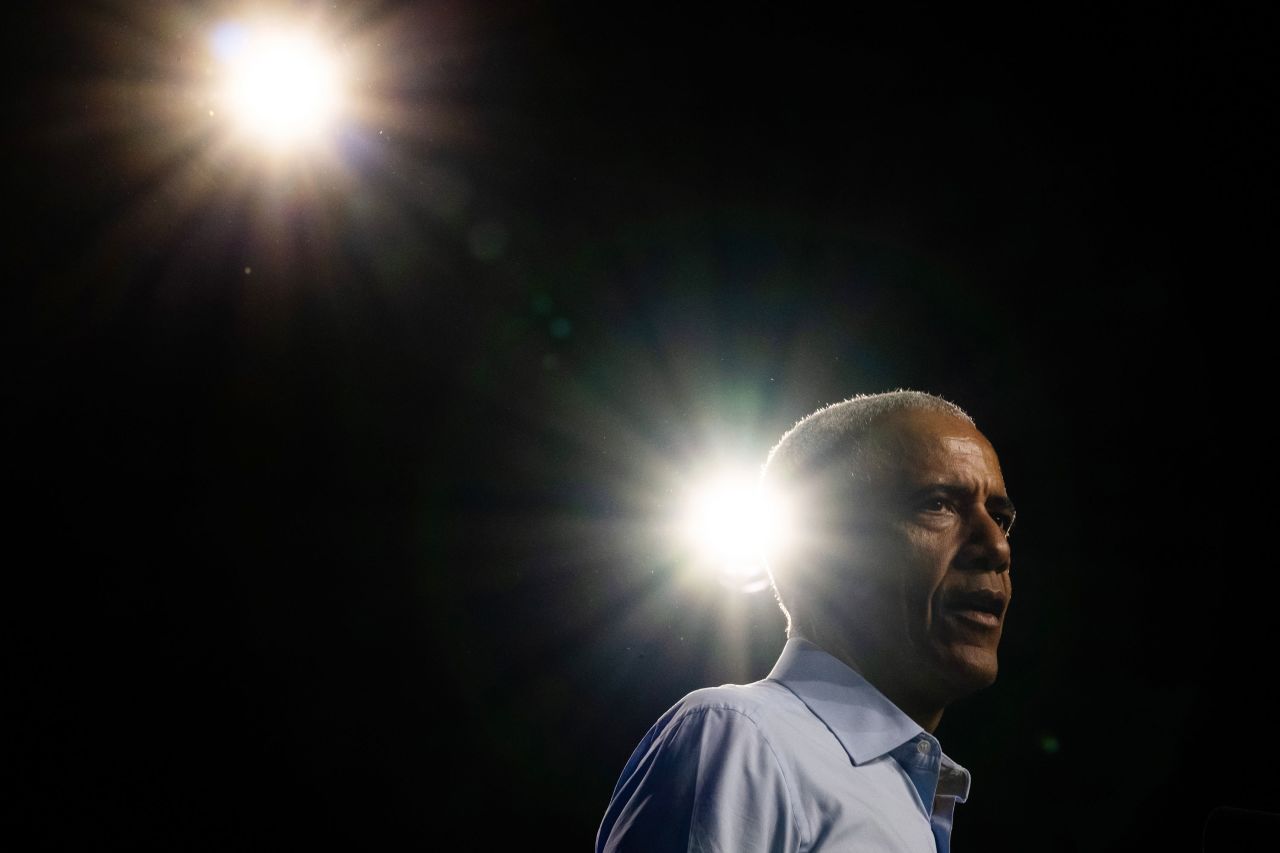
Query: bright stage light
{"type": "Point", "coordinates": [281, 87]}
{"type": "Point", "coordinates": [731, 524]}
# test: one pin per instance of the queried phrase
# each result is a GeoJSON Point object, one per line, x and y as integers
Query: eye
{"type": "Point", "coordinates": [937, 504]}
{"type": "Point", "coordinates": [1005, 520]}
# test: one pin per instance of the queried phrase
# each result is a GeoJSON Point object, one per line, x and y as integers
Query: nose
{"type": "Point", "coordinates": [986, 548]}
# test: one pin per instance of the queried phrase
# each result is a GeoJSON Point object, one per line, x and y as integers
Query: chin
{"type": "Point", "coordinates": [970, 671]}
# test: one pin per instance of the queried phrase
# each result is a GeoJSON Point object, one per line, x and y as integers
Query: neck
{"type": "Point", "coordinates": [885, 678]}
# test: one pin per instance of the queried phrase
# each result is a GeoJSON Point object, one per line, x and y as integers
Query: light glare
{"type": "Point", "coordinates": [732, 524]}
{"type": "Point", "coordinates": [281, 87]}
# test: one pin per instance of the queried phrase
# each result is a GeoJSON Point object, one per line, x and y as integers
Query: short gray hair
{"type": "Point", "coordinates": [844, 425]}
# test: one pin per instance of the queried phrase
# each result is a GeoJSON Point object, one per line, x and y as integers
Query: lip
{"type": "Point", "coordinates": [977, 608]}
{"type": "Point", "coordinates": [977, 618]}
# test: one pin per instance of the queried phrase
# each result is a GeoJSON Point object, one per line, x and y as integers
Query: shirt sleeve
{"type": "Point", "coordinates": [703, 779]}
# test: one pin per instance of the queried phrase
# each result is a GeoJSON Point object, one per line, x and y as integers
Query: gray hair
{"type": "Point", "coordinates": [844, 425]}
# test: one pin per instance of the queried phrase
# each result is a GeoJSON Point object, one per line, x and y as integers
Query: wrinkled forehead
{"type": "Point", "coordinates": [928, 446]}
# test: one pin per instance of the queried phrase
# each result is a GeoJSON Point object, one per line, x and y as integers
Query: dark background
{"type": "Point", "coordinates": [289, 549]}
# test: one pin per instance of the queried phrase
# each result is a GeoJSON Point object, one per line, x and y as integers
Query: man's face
{"type": "Point", "coordinates": [919, 596]}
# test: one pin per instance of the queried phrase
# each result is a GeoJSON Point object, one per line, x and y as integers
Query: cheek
{"type": "Point", "coordinates": [904, 566]}
{"type": "Point", "coordinates": [928, 557]}
{"type": "Point", "coordinates": [913, 577]}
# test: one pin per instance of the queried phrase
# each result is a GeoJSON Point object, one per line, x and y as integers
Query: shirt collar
{"type": "Point", "coordinates": [862, 718]}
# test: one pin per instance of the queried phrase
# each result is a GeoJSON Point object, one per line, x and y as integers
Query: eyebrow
{"type": "Point", "coordinates": [1002, 503]}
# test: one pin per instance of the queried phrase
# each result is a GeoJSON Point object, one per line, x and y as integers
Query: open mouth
{"type": "Point", "coordinates": [983, 608]}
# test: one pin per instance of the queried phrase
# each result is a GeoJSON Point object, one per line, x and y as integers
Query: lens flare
{"type": "Point", "coordinates": [731, 524]}
{"type": "Point", "coordinates": [280, 87]}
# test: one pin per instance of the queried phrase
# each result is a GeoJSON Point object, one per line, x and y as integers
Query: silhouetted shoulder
{"type": "Point", "coordinates": [713, 758]}
{"type": "Point", "coordinates": [760, 701]}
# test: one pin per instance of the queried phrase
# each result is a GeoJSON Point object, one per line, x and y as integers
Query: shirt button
{"type": "Point", "coordinates": [922, 746]}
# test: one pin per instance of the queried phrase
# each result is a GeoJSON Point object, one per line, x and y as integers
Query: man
{"type": "Point", "coordinates": [895, 598]}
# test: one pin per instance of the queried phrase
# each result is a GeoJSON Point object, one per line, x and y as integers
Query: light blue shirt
{"type": "Point", "coordinates": [812, 758]}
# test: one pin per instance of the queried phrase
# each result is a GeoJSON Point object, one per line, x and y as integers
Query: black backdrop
{"type": "Point", "coordinates": [322, 501]}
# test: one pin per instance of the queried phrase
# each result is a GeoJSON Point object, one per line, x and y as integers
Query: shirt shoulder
{"type": "Point", "coordinates": [775, 716]}
{"type": "Point", "coordinates": [709, 775]}
{"type": "Point", "coordinates": [759, 701]}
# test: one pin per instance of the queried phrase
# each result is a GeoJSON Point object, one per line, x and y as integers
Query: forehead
{"type": "Point", "coordinates": [918, 447]}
